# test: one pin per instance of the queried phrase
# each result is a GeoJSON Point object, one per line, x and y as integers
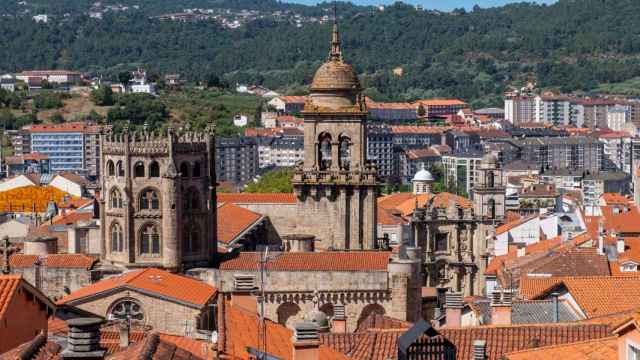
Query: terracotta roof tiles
{"type": "Point", "coordinates": [233, 221]}
{"type": "Point", "coordinates": [313, 261]}
{"type": "Point", "coordinates": [253, 198]}
{"type": "Point", "coordinates": [8, 286]}
{"type": "Point", "coordinates": [151, 281]}
{"type": "Point", "coordinates": [598, 349]}
{"type": "Point", "coordinates": [596, 295]}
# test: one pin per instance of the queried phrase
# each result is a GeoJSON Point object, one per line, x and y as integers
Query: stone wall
{"type": "Point", "coordinates": [162, 315]}
{"type": "Point", "coordinates": [56, 282]}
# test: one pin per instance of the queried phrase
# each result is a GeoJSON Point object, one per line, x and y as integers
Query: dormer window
{"type": "Point", "coordinates": [629, 267]}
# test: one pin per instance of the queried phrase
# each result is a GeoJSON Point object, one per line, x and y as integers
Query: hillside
{"type": "Point", "coordinates": [570, 46]}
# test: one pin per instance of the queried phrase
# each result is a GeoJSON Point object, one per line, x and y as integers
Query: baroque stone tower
{"type": "Point", "coordinates": [489, 191]}
{"type": "Point", "coordinates": [158, 203]}
{"type": "Point", "coordinates": [336, 186]}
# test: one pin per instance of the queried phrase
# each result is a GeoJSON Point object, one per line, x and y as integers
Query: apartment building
{"type": "Point", "coordinates": [72, 147]}
{"type": "Point", "coordinates": [236, 159]}
{"type": "Point", "coordinates": [617, 117]}
{"type": "Point", "coordinates": [441, 107]}
{"type": "Point", "coordinates": [51, 76]}
{"type": "Point", "coordinates": [556, 110]}
{"type": "Point", "coordinates": [617, 148]}
{"type": "Point", "coordinates": [391, 111]}
{"type": "Point", "coordinates": [462, 168]}
{"type": "Point", "coordinates": [519, 109]}
{"type": "Point", "coordinates": [380, 150]}
{"type": "Point", "coordinates": [576, 152]}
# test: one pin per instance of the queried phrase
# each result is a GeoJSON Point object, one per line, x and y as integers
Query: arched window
{"type": "Point", "coordinates": [150, 240]}
{"type": "Point", "coordinates": [115, 199]}
{"type": "Point", "coordinates": [120, 168]}
{"type": "Point", "coordinates": [117, 241]}
{"type": "Point", "coordinates": [196, 169]}
{"type": "Point", "coordinates": [490, 179]}
{"type": "Point", "coordinates": [111, 169]}
{"type": "Point", "coordinates": [149, 200]}
{"type": "Point", "coordinates": [138, 169]}
{"type": "Point", "coordinates": [492, 208]}
{"type": "Point", "coordinates": [345, 152]}
{"type": "Point", "coordinates": [184, 170]}
{"type": "Point", "coordinates": [324, 151]}
{"type": "Point", "coordinates": [154, 169]}
{"type": "Point", "coordinates": [127, 309]}
{"type": "Point", "coordinates": [191, 239]}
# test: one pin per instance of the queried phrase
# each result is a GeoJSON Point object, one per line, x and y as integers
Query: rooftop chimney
{"type": "Point", "coordinates": [479, 350]}
{"type": "Point", "coordinates": [339, 323]}
{"type": "Point", "coordinates": [501, 301]}
{"type": "Point", "coordinates": [556, 307]}
{"type": "Point", "coordinates": [453, 308]}
{"type": "Point", "coordinates": [84, 339]}
{"type": "Point", "coordinates": [620, 245]}
{"type": "Point", "coordinates": [306, 343]}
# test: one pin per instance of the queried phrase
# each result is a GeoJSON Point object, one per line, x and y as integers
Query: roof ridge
{"type": "Point", "coordinates": [562, 345]}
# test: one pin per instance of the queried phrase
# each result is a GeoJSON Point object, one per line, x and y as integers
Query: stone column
{"type": "Point", "coordinates": [369, 220]}
{"type": "Point", "coordinates": [170, 236]}
{"type": "Point", "coordinates": [341, 228]}
{"type": "Point", "coordinates": [128, 203]}
{"type": "Point", "coordinates": [355, 238]}
{"type": "Point", "coordinates": [335, 154]}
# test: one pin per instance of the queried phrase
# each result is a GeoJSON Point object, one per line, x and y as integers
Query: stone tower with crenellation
{"type": "Point", "coordinates": [336, 186]}
{"type": "Point", "coordinates": [158, 203]}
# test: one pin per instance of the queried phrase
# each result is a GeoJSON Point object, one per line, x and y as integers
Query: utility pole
{"type": "Point", "coordinates": [261, 298]}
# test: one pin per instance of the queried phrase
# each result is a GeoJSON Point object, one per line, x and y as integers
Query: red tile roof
{"type": "Point", "coordinates": [65, 127]}
{"type": "Point", "coordinates": [58, 261]}
{"type": "Point", "coordinates": [241, 334]}
{"type": "Point", "coordinates": [233, 221]}
{"type": "Point", "coordinates": [313, 261]}
{"type": "Point", "coordinates": [441, 102]}
{"type": "Point", "coordinates": [8, 286]}
{"type": "Point", "coordinates": [293, 99]}
{"type": "Point", "coordinates": [257, 198]}
{"type": "Point", "coordinates": [153, 282]}
{"type": "Point", "coordinates": [596, 295]}
{"type": "Point", "coordinates": [598, 349]}
{"type": "Point", "coordinates": [514, 224]}
{"type": "Point", "coordinates": [413, 129]}
{"type": "Point", "coordinates": [625, 221]}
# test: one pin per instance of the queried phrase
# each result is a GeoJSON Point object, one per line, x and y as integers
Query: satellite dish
{"type": "Point", "coordinates": [214, 337]}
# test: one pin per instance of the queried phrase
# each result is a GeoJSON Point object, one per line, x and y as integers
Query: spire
{"type": "Point", "coordinates": [336, 51]}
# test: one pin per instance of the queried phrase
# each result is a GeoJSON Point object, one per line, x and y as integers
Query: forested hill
{"type": "Point", "coordinates": [572, 45]}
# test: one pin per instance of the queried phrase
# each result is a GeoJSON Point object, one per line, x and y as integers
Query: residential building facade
{"type": "Point", "coordinates": [236, 159]}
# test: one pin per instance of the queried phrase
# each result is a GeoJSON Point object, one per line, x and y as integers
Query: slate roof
{"type": "Point", "coordinates": [541, 311]}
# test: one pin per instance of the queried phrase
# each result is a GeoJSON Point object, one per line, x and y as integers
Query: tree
{"type": "Point", "coordinates": [276, 181]}
{"type": "Point", "coordinates": [125, 77]}
{"type": "Point", "coordinates": [421, 111]}
{"type": "Point", "coordinates": [57, 118]}
{"type": "Point", "coordinates": [103, 96]}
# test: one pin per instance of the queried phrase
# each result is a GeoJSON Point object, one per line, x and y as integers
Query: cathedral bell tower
{"type": "Point", "coordinates": [489, 191]}
{"type": "Point", "coordinates": [336, 186]}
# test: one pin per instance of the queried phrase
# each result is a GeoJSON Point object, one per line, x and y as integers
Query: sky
{"type": "Point", "coordinates": [444, 5]}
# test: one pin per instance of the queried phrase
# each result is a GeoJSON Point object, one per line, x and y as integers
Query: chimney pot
{"type": "Point", "coordinates": [479, 350]}
{"type": "Point", "coordinates": [84, 339]}
{"type": "Point", "coordinates": [453, 308]}
{"type": "Point", "coordinates": [306, 342]}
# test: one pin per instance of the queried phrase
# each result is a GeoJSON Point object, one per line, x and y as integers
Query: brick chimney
{"type": "Point", "coordinates": [339, 324]}
{"type": "Point", "coordinates": [83, 342]}
{"type": "Point", "coordinates": [453, 309]}
{"type": "Point", "coordinates": [501, 301]}
{"type": "Point", "coordinates": [480, 350]}
{"type": "Point", "coordinates": [306, 342]}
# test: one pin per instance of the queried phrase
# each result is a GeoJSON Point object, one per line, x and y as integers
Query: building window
{"type": "Point", "coordinates": [629, 268]}
{"type": "Point", "coordinates": [345, 152]}
{"type": "Point", "coordinates": [196, 169]}
{"type": "Point", "coordinates": [442, 242]}
{"type": "Point", "coordinates": [191, 239]}
{"type": "Point", "coordinates": [150, 240]}
{"type": "Point", "coordinates": [128, 309]}
{"type": "Point", "coordinates": [117, 239]}
{"type": "Point", "coordinates": [138, 169]}
{"type": "Point", "coordinates": [154, 170]}
{"type": "Point", "coordinates": [115, 199]}
{"type": "Point", "coordinates": [324, 151]}
{"type": "Point", "coordinates": [633, 352]}
{"type": "Point", "coordinates": [149, 200]}
{"type": "Point", "coordinates": [120, 168]}
{"type": "Point", "coordinates": [111, 168]}
{"type": "Point", "coordinates": [184, 170]}
{"type": "Point", "coordinates": [441, 270]}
